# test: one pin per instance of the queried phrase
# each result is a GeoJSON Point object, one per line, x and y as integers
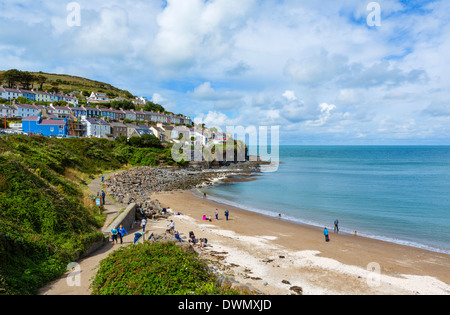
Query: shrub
{"type": "Point", "coordinates": [155, 269]}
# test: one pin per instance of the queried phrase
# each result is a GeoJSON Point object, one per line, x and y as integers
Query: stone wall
{"type": "Point", "coordinates": [126, 218]}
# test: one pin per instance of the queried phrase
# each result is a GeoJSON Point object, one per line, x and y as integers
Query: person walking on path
{"type": "Point", "coordinates": [325, 232]}
{"type": "Point", "coordinates": [336, 226]}
{"type": "Point", "coordinates": [227, 214]}
{"type": "Point", "coordinates": [122, 233]}
{"type": "Point", "coordinates": [114, 235]}
{"type": "Point", "coordinates": [103, 197]}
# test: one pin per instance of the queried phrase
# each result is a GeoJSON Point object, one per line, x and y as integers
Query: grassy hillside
{"type": "Point", "coordinates": [69, 83]}
{"type": "Point", "coordinates": [45, 219]}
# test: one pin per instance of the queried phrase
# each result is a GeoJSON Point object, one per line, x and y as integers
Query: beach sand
{"type": "Point", "coordinates": [274, 255]}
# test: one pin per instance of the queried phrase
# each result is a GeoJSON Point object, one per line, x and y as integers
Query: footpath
{"type": "Point", "coordinates": [88, 266]}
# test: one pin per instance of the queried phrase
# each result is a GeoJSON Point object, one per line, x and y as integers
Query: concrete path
{"type": "Point", "coordinates": [78, 281]}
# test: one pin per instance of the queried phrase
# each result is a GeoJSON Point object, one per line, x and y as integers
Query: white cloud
{"type": "Point", "coordinates": [325, 114]}
{"type": "Point", "coordinates": [205, 92]}
{"type": "Point", "coordinates": [300, 64]}
{"type": "Point", "coordinates": [290, 95]}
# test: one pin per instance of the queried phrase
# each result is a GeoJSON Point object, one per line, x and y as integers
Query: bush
{"type": "Point", "coordinates": [155, 269]}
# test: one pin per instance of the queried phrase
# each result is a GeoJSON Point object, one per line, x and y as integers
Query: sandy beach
{"type": "Point", "coordinates": [274, 255]}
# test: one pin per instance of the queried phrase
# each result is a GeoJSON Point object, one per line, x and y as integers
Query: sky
{"type": "Point", "coordinates": [326, 72]}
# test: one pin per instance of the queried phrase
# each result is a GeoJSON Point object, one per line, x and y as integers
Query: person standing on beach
{"type": "Point", "coordinates": [171, 226]}
{"type": "Point", "coordinates": [227, 214]}
{"type": "Point", "coordinates": [217, 214]}
{"type": "Point", "coordinates": [336, 225]}
{"type": "Point", "coordinates": [325, 232]}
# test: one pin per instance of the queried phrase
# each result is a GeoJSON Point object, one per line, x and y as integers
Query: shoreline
{"type": "Point", "coordinates": [287, 218]}
{"type": "Point", "coordinates": [343, 266]}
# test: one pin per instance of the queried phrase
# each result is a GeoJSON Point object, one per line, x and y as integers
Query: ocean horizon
{"type": "Point", "coordinates": [394, 193]}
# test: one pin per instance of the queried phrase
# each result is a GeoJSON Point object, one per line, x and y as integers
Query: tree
{"type": "Point", "coordinates": [26, 79]}
{"type": "Point", "coordinates": [145, 141]}
{"type": "Point", "coordinates": [12, 77]}
{"type": "Point", "coordinates": [152, 107]}
{"type": "Point", "coordinates": [40, 79]}
{"type": "Point", "coordinates": [126, 105]}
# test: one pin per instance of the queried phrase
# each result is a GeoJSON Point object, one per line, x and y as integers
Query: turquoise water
{"type": "Point", "coordinates": [399, 194]}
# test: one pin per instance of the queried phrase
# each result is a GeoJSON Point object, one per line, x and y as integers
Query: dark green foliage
{"type": "Point", "coordinates": [155, 269]}
{"type": "Point", "coordinates": [145, 141]}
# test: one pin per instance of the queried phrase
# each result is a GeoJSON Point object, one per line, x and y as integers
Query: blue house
{"type": "Point", "coordinates": [46, 127]}
{"type": "Point", "coordinates": [26, 110]}
{"type": "Point", "coordinates": [29, 95]}
{"type": "Point", "coordinates": [78, 111]}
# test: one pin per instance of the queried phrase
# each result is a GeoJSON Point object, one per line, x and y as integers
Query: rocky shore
{"type": "Point", "coordinates": [137, 185]}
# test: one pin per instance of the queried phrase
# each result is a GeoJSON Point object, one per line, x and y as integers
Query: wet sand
{"type": "Point", "coordinates": [274, 255]}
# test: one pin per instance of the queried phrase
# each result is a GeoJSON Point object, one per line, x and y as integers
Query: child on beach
{"type": "Point", "coordinates": [325, 232]}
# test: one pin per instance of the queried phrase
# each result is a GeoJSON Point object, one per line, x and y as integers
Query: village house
{"type": "Point", "coordinates": [26, 110]}
{"type": "Point", "coordinates": [96, 127]}
{"type": "Point", "coordinates": [134, 130]}
{"type": "Point", "coordinates": [46, 127]}
{"type": "Point", "coordinates": [97, 97]}
{"type": "Point", "coordinates": [10, 94]}
{"type": "Point", "coordinates": [118, 129]}
{"type": "Point", "coordinates": [7, 111]}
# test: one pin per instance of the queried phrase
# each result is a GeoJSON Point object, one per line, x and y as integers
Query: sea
{"type": "Point", "coordinates": [398, 194]}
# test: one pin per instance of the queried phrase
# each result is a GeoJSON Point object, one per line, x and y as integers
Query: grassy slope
{"type": "Point", "coordinates": [74, 83]}
{"type": "Point", "coordinates": [44, 221]}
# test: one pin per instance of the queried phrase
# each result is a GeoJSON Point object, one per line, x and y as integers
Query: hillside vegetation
{"type": "Point", "coordinates": [156, 269]}
{"type": "Point", "coordinates": [62, 82]}
{"type": "Point", "coordinates": [45, 219]}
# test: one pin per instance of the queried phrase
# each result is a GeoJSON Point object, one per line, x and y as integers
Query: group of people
{"type": "Point", "coordinates": [117, 233]}
{"type": "Point", "coordinates": [216, 214]}
{"type": "Point", "coordinates": [336, 230]}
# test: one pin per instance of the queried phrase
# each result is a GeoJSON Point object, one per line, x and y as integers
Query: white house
{"type": "Point", "coordinates": [7, 111]}
{"type": "Point", "coordinates": [96, 127]}
{"type": "Point", "coordinates": [60, 111]}
{"type": "Point", "coordinates": [9, 94]}
{"type": "Point", "coordinates": [97, 97]}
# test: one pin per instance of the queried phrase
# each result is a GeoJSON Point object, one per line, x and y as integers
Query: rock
{"type": "Point", "coordinates": [297, 290]}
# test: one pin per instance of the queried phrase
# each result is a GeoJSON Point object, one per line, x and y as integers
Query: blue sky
{"type": "Point", "coordinates": [315, 68]}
